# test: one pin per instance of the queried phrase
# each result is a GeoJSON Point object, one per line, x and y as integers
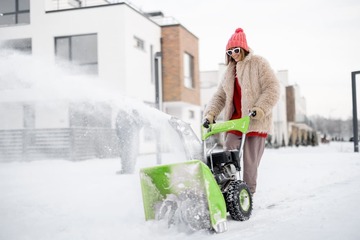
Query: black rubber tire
{"type": "Point", "coordinates": [239, 201]}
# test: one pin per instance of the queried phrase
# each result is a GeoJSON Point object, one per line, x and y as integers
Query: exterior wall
{"type": "Point", "coordinates": [176, 40]}
{"type": "Point", "coordinates": [139, 65]}
{"type": "Point", "coordinates": [301, 106]}
{"type": "Point", "coordinates": [52, 115]}
{"type": "Point", "coordinates": [290, 103]}
{"type": "Point", "coordinates": [209, 84]}
{"type": "Point", "coordinates": [298, 130]}
{"type": "Point", "coordinates": [279, 113]}
{"type": "Point", "coordinates": [296, 105]}
{"type": "Point", "coordinates": [11, 115]}
{"type": "Point", "coordinates": [180, 101]}
{"type": "Point", "coordinates": [172, 82]}
{"type": "Point", "coordinates": [189, 113]}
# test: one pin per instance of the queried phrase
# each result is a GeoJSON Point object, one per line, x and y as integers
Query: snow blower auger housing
{"type": "Point", "coordinates": [199, 193]}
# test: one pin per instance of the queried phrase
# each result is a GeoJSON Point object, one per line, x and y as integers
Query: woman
{"type": "Point", "coordinates": [249, 85]}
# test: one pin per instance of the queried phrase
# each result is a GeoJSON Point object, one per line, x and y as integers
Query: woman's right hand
{"type": "Point", "coordinates": [209, 119]}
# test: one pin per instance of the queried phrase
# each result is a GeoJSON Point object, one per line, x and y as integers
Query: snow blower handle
{"type": "Point", "coordinates": [241, 124]}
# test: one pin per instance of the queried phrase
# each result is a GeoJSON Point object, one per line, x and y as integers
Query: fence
{"type": "Point", "coordinates": [61, 143]}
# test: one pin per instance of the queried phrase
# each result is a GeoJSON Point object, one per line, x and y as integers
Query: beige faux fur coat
{"type": "Point", "coordinates": [259, 89]}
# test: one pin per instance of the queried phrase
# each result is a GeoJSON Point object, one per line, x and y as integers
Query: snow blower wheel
{"type": "Point", "coordinates": [239, 201]}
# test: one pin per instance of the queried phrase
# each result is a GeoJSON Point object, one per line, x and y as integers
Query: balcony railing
{"type": "Point", "coordinates": [53, 5]}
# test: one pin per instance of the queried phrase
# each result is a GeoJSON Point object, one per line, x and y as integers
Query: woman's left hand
{"type": "Point", "coordinates": [259, 113]}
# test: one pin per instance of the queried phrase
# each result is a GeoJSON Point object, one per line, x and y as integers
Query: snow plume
{"type": "Point", "coordinates": [28, 79]}
{"type": "Point", "coordinates": [42, 80]}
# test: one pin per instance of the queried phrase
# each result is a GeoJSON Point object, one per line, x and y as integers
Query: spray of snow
{"type": "Point", "coordinates": [26, 78]}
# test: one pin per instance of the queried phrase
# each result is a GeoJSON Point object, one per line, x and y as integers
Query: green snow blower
{"type": "Point", "coordinates": [199, 193]}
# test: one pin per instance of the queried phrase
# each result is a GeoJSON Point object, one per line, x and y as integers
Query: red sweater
{"type": "Point", "coordinates": [237, 111]}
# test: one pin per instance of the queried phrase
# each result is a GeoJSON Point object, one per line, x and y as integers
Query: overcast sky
{"type": "Point", "coordinates": [317, 41]}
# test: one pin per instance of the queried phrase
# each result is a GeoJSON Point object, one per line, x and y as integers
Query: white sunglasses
{"type": "Point", "coordinates": [235, 50]}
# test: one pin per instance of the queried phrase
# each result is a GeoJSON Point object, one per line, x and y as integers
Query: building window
{"type": "Point", "coordinates": [188, 71]}
{"type": "Point", "coordinates": [139, 43]}
{"type": "Point", "coordinates": [80, 50]}
{"type": "Point", "coordinates": [22, 45]}
{"type": "Point", "coordinates": [14, 12]}
{"type": "Point", "coordinates": [191, 114]}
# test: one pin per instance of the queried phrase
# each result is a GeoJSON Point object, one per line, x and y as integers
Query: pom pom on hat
{"type": "Point", "coordinates": [238, 39]}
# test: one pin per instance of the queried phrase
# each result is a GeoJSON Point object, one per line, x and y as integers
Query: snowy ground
{"type": "Point", "coordinates": [303, 193]}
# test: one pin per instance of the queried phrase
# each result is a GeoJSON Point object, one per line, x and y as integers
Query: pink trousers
{"type": "Point", "coordinates": [253, 151]}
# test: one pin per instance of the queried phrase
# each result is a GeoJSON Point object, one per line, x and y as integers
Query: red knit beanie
{"type": "Point", "coordinates": [238, 39]}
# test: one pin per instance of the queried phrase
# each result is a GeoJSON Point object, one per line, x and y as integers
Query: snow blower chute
{"type": "Point", "coordinates": [199, 193]}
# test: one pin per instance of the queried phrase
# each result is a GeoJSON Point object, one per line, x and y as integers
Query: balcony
{"type": "Point", "coordinates": [54, 5]}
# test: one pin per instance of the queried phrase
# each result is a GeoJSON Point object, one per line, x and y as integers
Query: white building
{"type": "Point", "coordinates": [280, 133]}
{"type": "Point", "coordinates": [111, 44]}
{"type": "Point", "coordinates": [209, 83]}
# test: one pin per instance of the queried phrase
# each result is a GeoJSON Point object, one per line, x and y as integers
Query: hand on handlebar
{"type": "Point", "coordinates": [209, 119]}
{"type": "Point", "coordinates": [256, 113]}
